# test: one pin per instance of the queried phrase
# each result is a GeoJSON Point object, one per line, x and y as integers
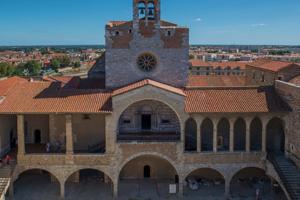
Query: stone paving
{"type": "Point", "coordinates": [38, 187]}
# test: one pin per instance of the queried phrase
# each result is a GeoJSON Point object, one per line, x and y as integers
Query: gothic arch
{"type": "Point", "coordinates": [240, 135]}
{"type": "Point", "coordinates": [276, 135]}
{"type": "Point", "coordinates": [207, 131]}
{"type": "Point", "coordinates": [190, 130]}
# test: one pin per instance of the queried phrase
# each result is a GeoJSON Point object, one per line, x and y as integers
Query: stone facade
{"type": "Point", "coordinates": [167, 42]}
{"type": "Point", "coordinates": [291, 94]}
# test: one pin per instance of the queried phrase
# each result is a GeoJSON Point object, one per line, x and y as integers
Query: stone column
{"type": "Point", "coordinates": [69, 135]}
{"type": "Point", "coordinates": [248, 137]}
{"type": "Point", "coordinates": [62, 189]}
{"type": "Point", "coordinates": [215, 137]}
{"type": "Point", "coordinates": [227, 188]}
{"type": "Point", "coordinates": [115, 189]}
{"type": "Point", "coordinates": [21, 134]}
{"type": "Point", "coordinates": [110, 134]}
{"type": "Point", "coordinates": [264, 138]}
{"type": "Point", "coordinates": [199, 121]}
{"type": "Point", "coordinates": [231, 135]}
{"type": "Point", "coordinates": [11, 190]}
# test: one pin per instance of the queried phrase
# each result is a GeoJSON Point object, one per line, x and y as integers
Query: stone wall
{"type": "Point", "coordinates": [36, 122]}
{"type": "Point", "coordinates": [130, 120]}
{"type": "Point", "coordinates": [7, 127]}
{"type": "Point", "coordinates": [291, 94]}
{"type": "Point", "coordinates": [88, 130]}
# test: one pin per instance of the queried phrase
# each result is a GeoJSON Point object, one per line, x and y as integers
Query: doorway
{"type": "Point", "coordinates": [37, 137]}
{"type": "Point", "coordinates": [147, 173]}
{"type": "Point", "coordinates": [146, 122]}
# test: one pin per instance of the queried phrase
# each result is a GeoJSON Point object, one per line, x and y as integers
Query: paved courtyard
{"type": "Point", "coordinates": [39, 187]}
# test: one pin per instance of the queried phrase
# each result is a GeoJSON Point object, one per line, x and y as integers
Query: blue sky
{"type": "Point", "coordinates": [59, 22]}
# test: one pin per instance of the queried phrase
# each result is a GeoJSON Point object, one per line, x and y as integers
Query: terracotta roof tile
{"type": "Point", "coordinates": [145, 82]}
{"type": "Point", "coordinates": [235, 100]}
{"type": "Point", "coordinates": [222, 65]}
{"type": "Point", "coordinates": [216, 80]}
{"type": "Point", "coordinates": [46, 97]}
{"type": "Point", "coordinates": [271, 65]}
{"type": "Point", "coordinates": [7, 84]}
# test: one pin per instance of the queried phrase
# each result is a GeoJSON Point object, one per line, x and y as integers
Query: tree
{"type": "Point", "coordinates": [65, 61]}
{"type": "Point", "coordinates": [55, 64]}
{"type": "Point", "coordinates": [77, 64]}
{"type": "Point", "coordinates": [6, 69]}
{"type": "Point", "coordinates": [31, 68]}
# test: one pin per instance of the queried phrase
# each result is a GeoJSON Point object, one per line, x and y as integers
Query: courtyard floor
{"type": "Point", "coordinates": [37, 187]}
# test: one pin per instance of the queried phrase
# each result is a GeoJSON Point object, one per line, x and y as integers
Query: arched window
{"type": "Point", "coordinates": [275, 136]}
{"type": "Point", "coordinates": [240, 135]}
{"type": "Point", "coordinates": [255, 135]}
{"type": "Point", "coordinates": [207, 131]}
{"type": "Point", "coordinates": [190, 135]}
{"type": "Point", "coordinates": [142, 10]}
{"type": "Point", "coordinates": [151, 11]}
{"type": "Point", "coordinates": [223, 135]}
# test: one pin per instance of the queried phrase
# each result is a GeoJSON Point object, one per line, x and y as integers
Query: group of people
{"type": "Point", "coordinates": [56, 147]}
{"type": "Point", "coordinates": [6, 160]}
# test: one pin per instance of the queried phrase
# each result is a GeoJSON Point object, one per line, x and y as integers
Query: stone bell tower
{"type": "Point", "coordinates": [146, 48]}
{"type": "Point", "coordinates": [145, 11]}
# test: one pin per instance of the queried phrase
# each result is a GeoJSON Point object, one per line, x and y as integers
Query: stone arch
{"type": "Point", "coordinates": [150, 117]}
{"type": "Point", "coordinates": [125, 107]}
{"type": "Point", "coordinates": [245, 178]}
{"type": "Point", "coordinates": [147, 170]}
{"type": "Point", "coordinates": [190, 135]}
{"type": "Point", "coordinates": [21, 171]}
{"type": "Point", "coordinates": [74, 170]}
{"type": "Point", "coordinates": [276, 135]}
{"type": "Point", "coordinates": [202, 178]}
{"type": "Point", "coordinates": [154, 154]}
{"type": "Point", "coordinates": [223, 129]}
{"type": "Point", "coordinates": [207, 131]}
{"type": "Point", "coordinates": [39, 178]}
{"type": "Point", "coordinates": [240, 135]}
{"type": "Point", "coordinates": [96, 181]}
{"type": "Point", "coordinates": [256, 127]}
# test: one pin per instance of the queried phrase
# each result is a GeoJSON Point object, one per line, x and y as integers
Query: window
{"type": "Point", "coordinates": [169, 33]}
{"type": "Point", "coordinates": [146, 62]}
{"type": "Point", "coordinates": [254, 75]}
{"type": "Point", "coordinates": [165, 121]}
{"type": "Point", "coordinates": [117, 33]}
{"type": "Point", "coordinates": [126, 121]}
{"type": "Point", "coordinates": [86, 117]}
{"type": "Point", "coordinates": [263, 77]}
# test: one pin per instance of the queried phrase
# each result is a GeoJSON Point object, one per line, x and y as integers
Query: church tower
{"type": "Point", "coordinates": [146, 48]}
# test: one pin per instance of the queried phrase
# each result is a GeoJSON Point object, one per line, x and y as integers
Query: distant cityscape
{"type": "Point", "coordinates": [79, 59]}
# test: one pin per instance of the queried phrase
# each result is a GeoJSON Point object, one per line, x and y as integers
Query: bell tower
{"type": "Point", "coordinates": [146, 48]}
{"type": "Point", "coordinates": [145, 11]}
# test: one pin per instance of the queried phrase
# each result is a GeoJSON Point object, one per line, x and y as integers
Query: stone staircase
{"type": "Point", "coordinates": [288, 173]}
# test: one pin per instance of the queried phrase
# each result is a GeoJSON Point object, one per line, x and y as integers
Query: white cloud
{"type": "Point", "coordinates": [258, 25]}
{"type": "Point", "coordinates": [198, 19]}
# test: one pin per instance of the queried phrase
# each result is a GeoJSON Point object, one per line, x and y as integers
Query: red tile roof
{"type": "Point", "coordinates": [222, 65]}
{"type": "Point", "coordinates": [7, 84]}
{"type": "Point", "coordinates": [145, 82]}
{"type": "Point", "coordinates": [235, 100]}
{"type": "Point", "coordinates": [216, 80]}
{"type": "Point", "coordinates": [47, 97]}
{"type": "Point", "coordinates": [271, 65]}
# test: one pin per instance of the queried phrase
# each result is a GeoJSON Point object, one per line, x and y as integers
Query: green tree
{"type": "Point", "coordinates": [55, 64]}
{"type": "Point", "coordinates": [65, 61]}
{"type": "Point", "coordinates": [77, 64]}
{"type": "Point", "coordinates": [6, 69]}
{"type": "Point", "coordinates": [31, 68]}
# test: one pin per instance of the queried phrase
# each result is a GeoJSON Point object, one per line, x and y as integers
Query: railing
{"type": "Point", "coordinates": [272, 158]}
{"type": "Point", "coordinates": [148, 137]}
